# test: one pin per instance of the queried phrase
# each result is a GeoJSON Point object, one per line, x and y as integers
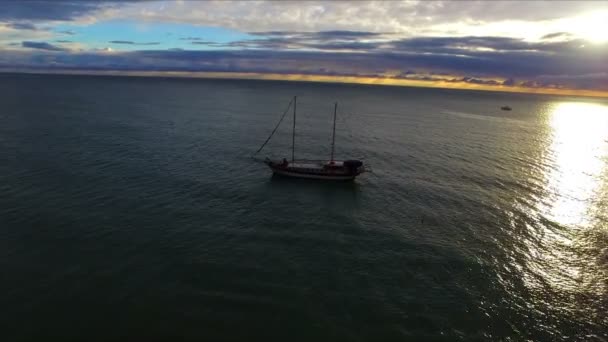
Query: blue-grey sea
{"type": "Point", "coordinates": [131, 209]}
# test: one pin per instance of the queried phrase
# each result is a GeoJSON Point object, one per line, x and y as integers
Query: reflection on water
{"type": "Point", "coordinates": [579, 144]}
{"type": "Point", "coordinates": [560, 256]}
{"type": "Point", "coordinates": [336, 192]}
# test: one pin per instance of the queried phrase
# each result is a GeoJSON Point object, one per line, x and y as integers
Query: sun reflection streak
{"type": "Point", "coordinates": [559, 255]}
{"type": "Point", "coordinates": [580, 134]}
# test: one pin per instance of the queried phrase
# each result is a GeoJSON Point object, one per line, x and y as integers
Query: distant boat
{"type": "Point", "coordinates": [505, 108]}
{"type": "Point", "coordinates": [313, 169]}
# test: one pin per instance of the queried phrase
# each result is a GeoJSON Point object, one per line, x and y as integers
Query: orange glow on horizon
{"type": "Point", "coordinates": [387, 81]}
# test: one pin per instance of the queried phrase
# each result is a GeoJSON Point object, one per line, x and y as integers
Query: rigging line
{"type": "Point", "coordinates": [333, 135]}
{"type": "Point", "coordinates": [293, 134]}
{"type": "Point", "coordinates": [275, 128]}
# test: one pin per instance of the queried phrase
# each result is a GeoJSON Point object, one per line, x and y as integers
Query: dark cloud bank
{"type": "Point", "coordinates": [556, 61]}
{"type": "Point", "coordinates": [42, 46]}
{"type": "Point", "coordinates": [28, 10]}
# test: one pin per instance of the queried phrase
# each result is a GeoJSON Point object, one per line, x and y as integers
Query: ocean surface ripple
{"type": "Point", "coordinates": [130, 209]}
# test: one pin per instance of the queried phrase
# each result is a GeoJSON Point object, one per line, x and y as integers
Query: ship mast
{"type": "Point", "coordinates": [333, 135]}
{"type": "Point", "coordinates": [293, 133]}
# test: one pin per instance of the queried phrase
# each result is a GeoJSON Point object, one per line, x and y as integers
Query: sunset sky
{"type": "Point", "coordinates": [550, 47]}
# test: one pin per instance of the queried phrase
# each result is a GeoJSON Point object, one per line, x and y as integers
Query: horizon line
{"type": "Point", "coordinates": [315, 78]}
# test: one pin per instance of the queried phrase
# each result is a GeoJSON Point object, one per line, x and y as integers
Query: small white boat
{"type": "Point", "coordinates": [313, 169]}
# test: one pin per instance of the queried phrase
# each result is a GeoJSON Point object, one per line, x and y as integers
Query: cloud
{"type": "Point", "coordinates": [557, 35]}
{"type": "Point", "coordinates": [474, 80]}
{"type": "Point", "coordinates": [597, 80]}
{"type": "Point", "coordinates": [531, 84]}
{"type": "Point", "coordinates": [456, 44]}
{"type": "Point", "coordinates": [121, 42]}
{"type": "Point", "coordinates": [508, 82]}
{"type": "Point", "coordinates": [201, 41]}
{"type": "Point", "coordinates": [484, 43]}
{"type": "Point", "coordinates": [407, 17]}
{"type": "Point", "coordinates": [446, 78]}
{"type": "Point", "coordinates": [531, 19]}
{"type": "Point", "coordinates": [129, 42]}
{"type": "Point", "coordinates": [50, 10]}
{"type": "Point", "coordinates": [321, 35]}
{"type": "Point", "coordinates": [42, 46]}
{"type": "Point", "coordinates": [22, 26]}
{"type": "Point", "coordinates": [545, 70]}
{"type": "Point", "coordinates": [483, 60]}
{"type": "Point", "coordinates": [323, 40]}
{"type": "Point", "coordinates": [417, 77]}
{"type": "Point", "coordinates": [470, 55]}
{"type": "Point", "coordinates": [386, 42]}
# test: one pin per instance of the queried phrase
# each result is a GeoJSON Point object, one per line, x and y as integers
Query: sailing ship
{"type": "Point", "coordinates": [331, 169]}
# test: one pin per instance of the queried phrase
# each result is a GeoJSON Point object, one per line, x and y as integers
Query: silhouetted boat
{"type": "Point", "coordinates": [313, 169]}
{"type": "Point", "coordinates": [505, 108]}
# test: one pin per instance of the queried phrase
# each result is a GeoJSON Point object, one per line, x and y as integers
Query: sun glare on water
{"type": "Point", "coordinates": [575, 177]}
{"type": "Point", "coordinates": [579, 147]}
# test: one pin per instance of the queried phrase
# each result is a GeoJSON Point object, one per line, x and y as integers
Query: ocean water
{"type": "Point", "coordinates": [130, 209]}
